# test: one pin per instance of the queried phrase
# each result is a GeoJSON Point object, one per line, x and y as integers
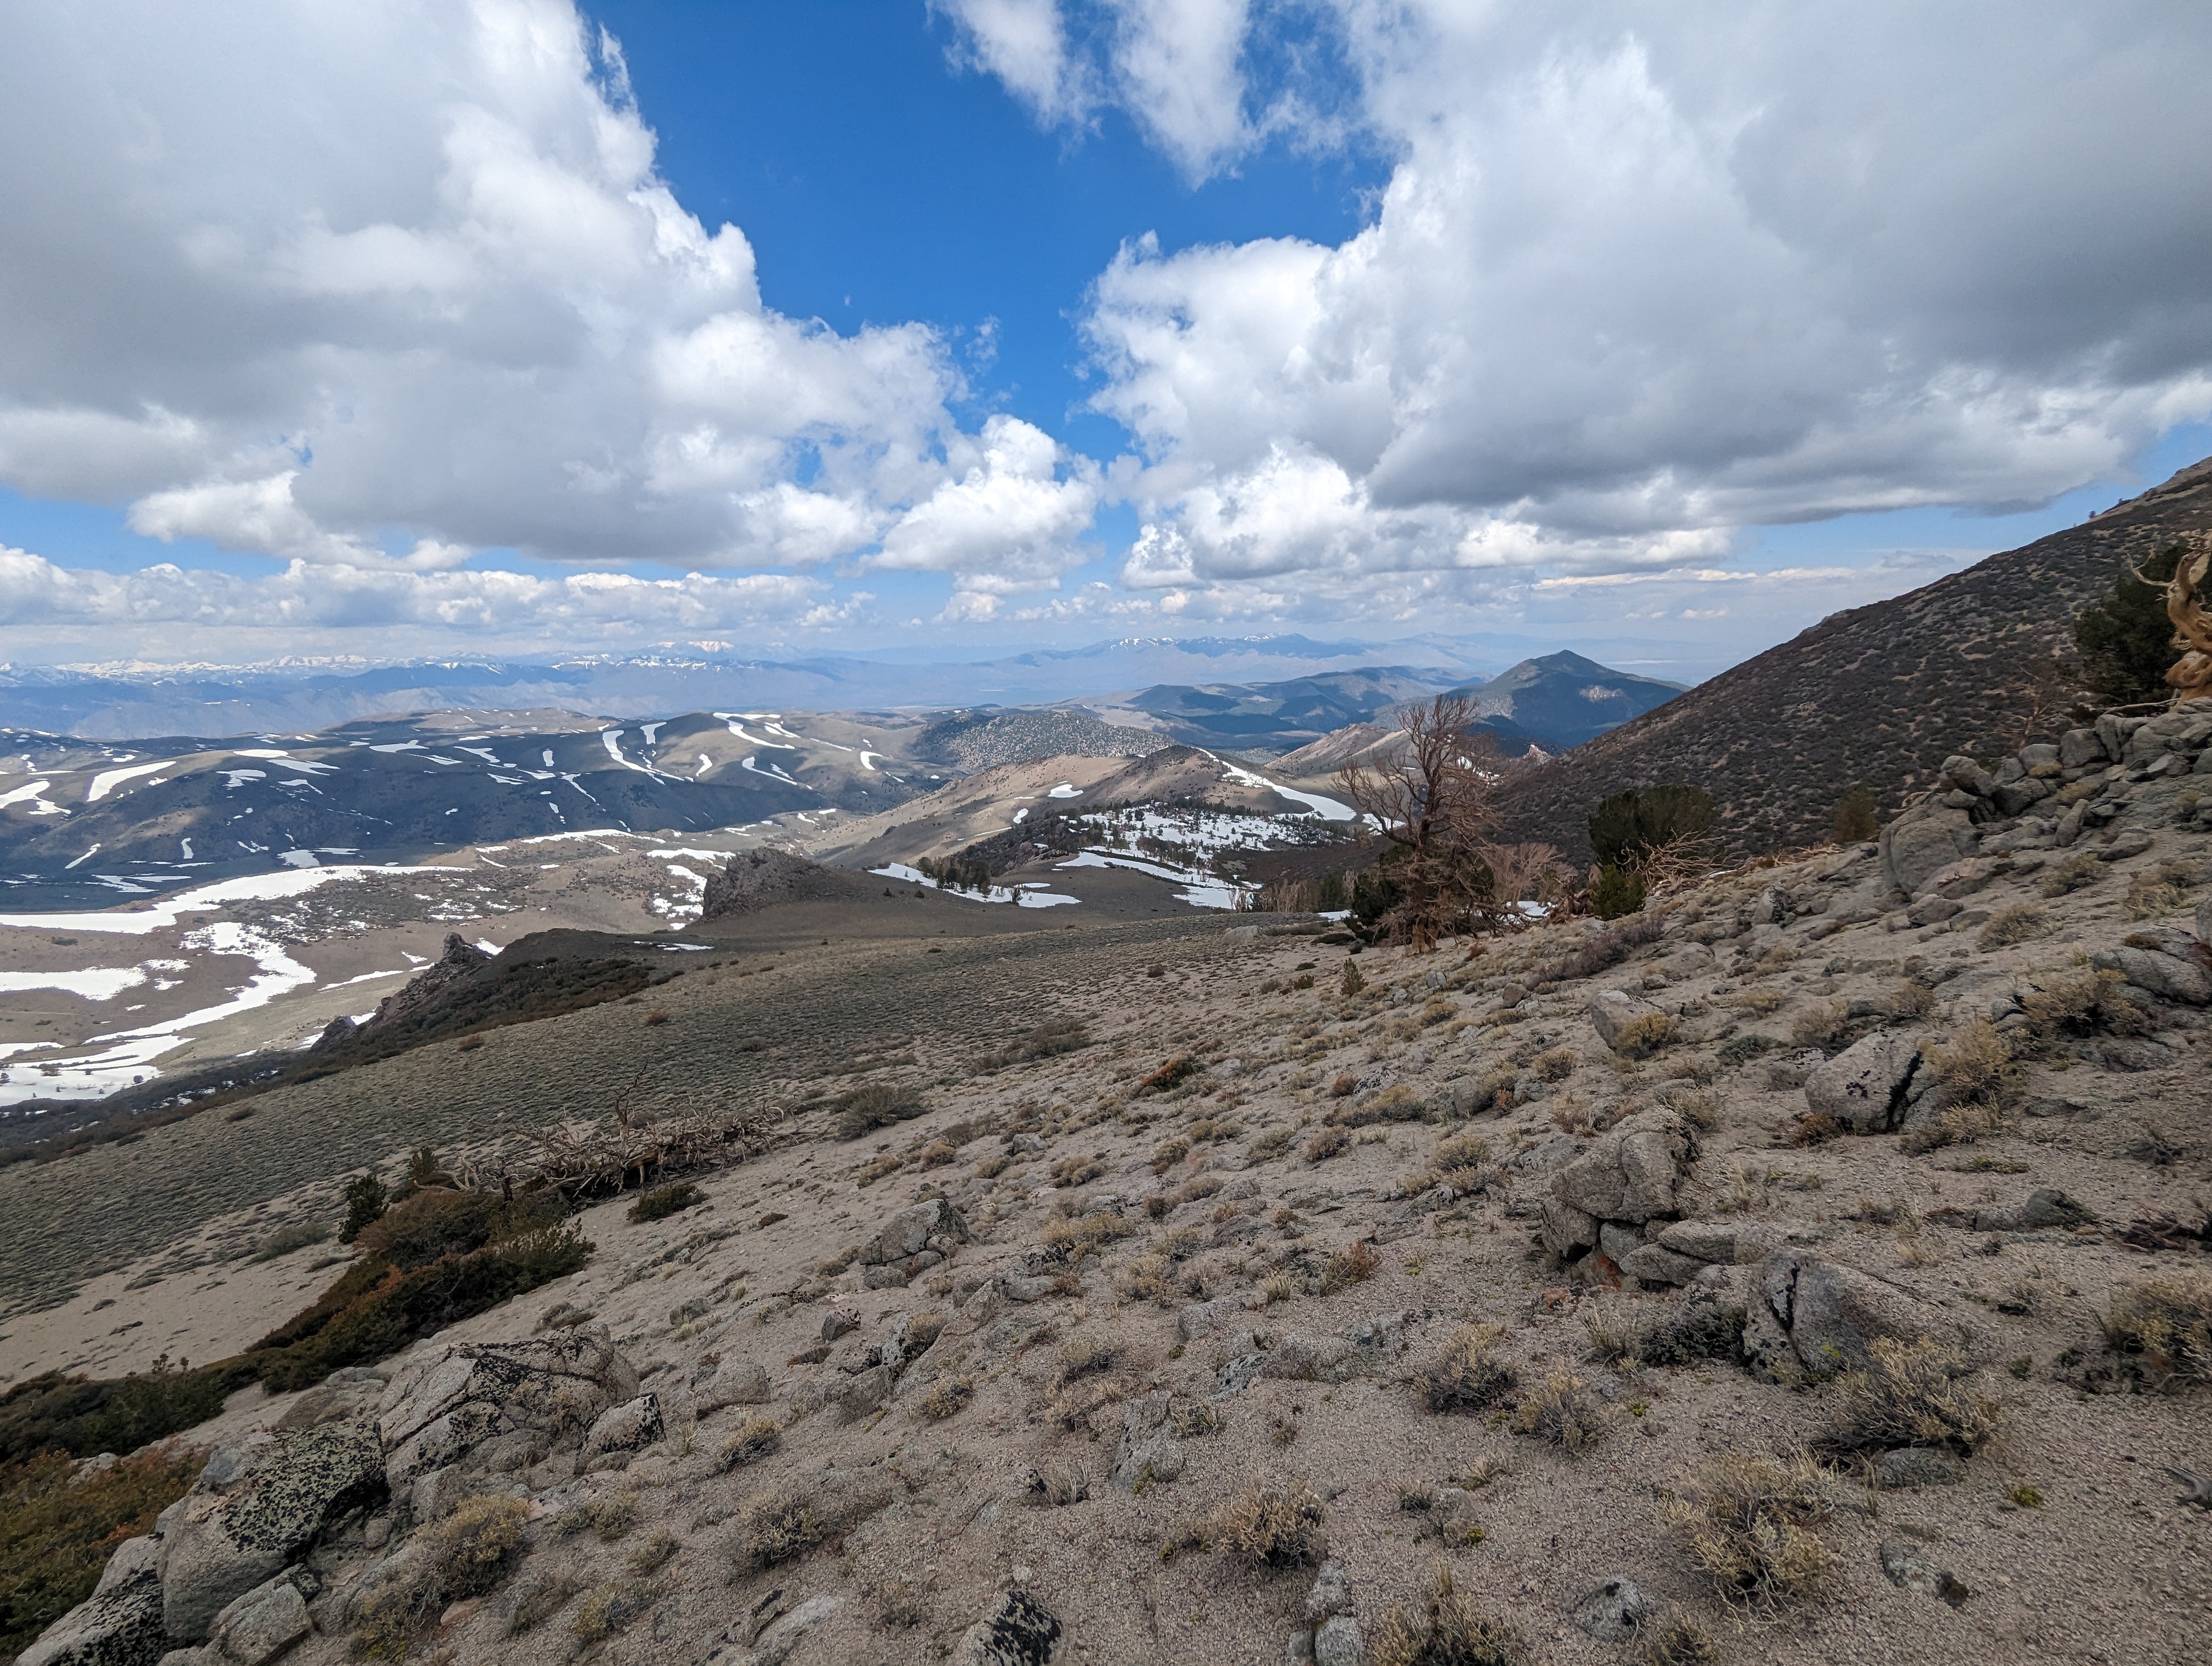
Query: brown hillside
{"type": "Point", "coordinates": [1875, 697]}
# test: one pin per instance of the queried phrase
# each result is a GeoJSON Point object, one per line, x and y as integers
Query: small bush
{"type": "Point", "coordinates": [2071, 875]}
{"type": "Point", "coordinates": [2167, 1323]}
{"type": "Point", "coordinates": [1676, 1639]}
{"type": "Point", "coordinates": [758, 1437]}
{"type": "Point", "coordinates": [656, 1553]}
{"type": "Point", "coordinates": [1466, 1376]}
{"type": "Point", "coordinates": [1640, 1037]}
{"type": "Point", "coordinates": [1855, 816]}
{"type": "Point", "coordinates": [1458, 1162]}
{"type": "Point", "coordinates": [2082, 1003]}
{"type": "Point", "coordinates": [861, 1110]}
{"type": "Point", "coordinates": [1327, 1142]}
{"type": "Point", "coordinates": [1750, 1524]}
{"type": "Point", "coordinates": [1352, 981]}
{"type": "Point", "coordinates": [1086, 1358]}
{"type": "Point", "coordinates": [365, 1202]}
{"type": "Point", "coordinates": [607, 1517]}
{"type": "Point", "coordinates": [776, 1527]}
{"type": "Point", "coordinates": [1355, 1264]}
{"type": "Point", "coordinates": [663, 1201]}
{"type": "Point", "coordinates": [1169, 1153]}
{"type": "Point", "coordinates": [1618, 892]}
{"type": "Point", "coordinates": [1145, 1279]}
{"type": "Point", "coordinates": [2150, 895]}
{"type": "Point", "coordinates": [2019, 923]}
{"type": "Point", "coordinates": [1914, 1394]}
{"type": "Point", "coordinates": [1271, 1145]}
{"type": "Point", "coordinates": [1276, 1524]}
{"type": "Point", "coordinates": [610, 1608]}
{"type": "Point", "coordinates": [947, 1395]}
{"type": "Point", "coordinates": [1445, 1630]}
{"type": "Point", "coordinates": [1396, 1103]}
{"type": "Point", "coordinates": [465, 1554]}
{"type": "Point", "coordinates": [1562, 1411]}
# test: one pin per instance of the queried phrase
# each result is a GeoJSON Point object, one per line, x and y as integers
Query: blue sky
{"type": "Point", "coordinates": [1046, 322]}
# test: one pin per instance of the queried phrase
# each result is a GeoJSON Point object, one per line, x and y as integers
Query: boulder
{"type": "Point", "coordinates": [1807, 1318]}
{"type": "Point", "coordinates": [2080, 748]}
{"type": "Point", "coordinates": [1653, 1263]}
{"type": "Point", "coordinates": [1018, 1631]}
{"type": "Point", "coordinates": [911, 1231]}
{"type": "Point", "coordinates": [2046, 1208]}
{"type": "Point", "coordinates": [1615, 1611]}
{"type": "Point", "coordinates": [1567, 1230]}
{"type": "Point", "coordinates": [1623, 1021]}
{"type": "Point", "coordinates": [1922, 842]}
{"type": "Point", "coordinates": [736, 1382]}
{"type": "Point", "coordinates": [1204, 1318]}
{"type": "Point", "coordinates": [2186, 980]}
{"type": "Point", "coordinates": [1865, 1087]}
{"type": "Point", "coordinates": [120, 1624]}
{"type": "Point", "coordinates": [1722, 1241]}
{"type": "Point", "coordinates": [1331, 1594]}
{"type": "Point", "coordinates": [468, 1407]}
{"type": "Point", "coordinates": [254, 1510]}
{"type": "Point", "coordinates": [629, 1428]}
{"type": "Point", "coordinates": [1338, 1642]}
{"type": "Point", "coordinates": [259, 1625]}
{"type": "Point", "coordinates": [1633, 1171]}
{"type": "Point", "coordinates": [1148, 1450]}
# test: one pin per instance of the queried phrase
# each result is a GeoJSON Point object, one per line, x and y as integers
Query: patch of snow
{"type": "Point", "coordinates": [365, 978]}
{"type": "Point", "coordinates": [1022, 814]}
{"type": "Point", "coordinates": [488, 945]}
{"type": "Point", "coordinates": [1327, 809]}
{"type": "Point", "coordinates": [203, 899]}
{"type": "Point", "coordinates": [548, 756]}
{"type": "Point", "coordinates": [1200, 890]}
{"type": "Point", "coordinates": [95, 983]}
{"type": "Point", "coordinates": [33, 792]}
{"type": "Point", "coordinates": [303, 858]}
{"type": "Point", "coordinates": [650, 730]}
{"type": "Point", "coordinates": [749, 762]}
{"type": "Point", "coordinates": [483, 752]}
{"type": "Point", "coordinates": [108, 780]}
{"type": "Point", "coordinates": [86, 857]}
{"type": "Point", "coordinates": [1066, 790]}
{"type": "Point", "coordinates": [235, 779]}
{"type": "Point", "coordinates": [400, 746]}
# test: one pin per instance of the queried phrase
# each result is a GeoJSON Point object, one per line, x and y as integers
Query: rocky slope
{"type": "Point", "coordinates": [1817, 1249]}
{"type": "Point", "coordinates": [1872, 697]}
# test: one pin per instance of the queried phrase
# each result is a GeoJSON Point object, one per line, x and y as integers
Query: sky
{"type": "Point", "coordinates": [404, 329]}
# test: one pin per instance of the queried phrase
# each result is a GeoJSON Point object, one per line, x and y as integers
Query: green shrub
{"type": "Point", "coordinates": [56, 1536]}
{"type": "Point", "coordinates": [663, 1201]}
{"type": "Point", "coordinates": [1618, 892]}
{"type": "Point", "coordinates": [1627, 828]}
{"type": "Point", "coordinates": [1855, 816]}
{"type": "Point", "coordinates": [365, 1202]}
{"type": "Point", "coordinates": [2126, 640]}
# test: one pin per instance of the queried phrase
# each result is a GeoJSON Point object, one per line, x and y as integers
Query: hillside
{"type": "Point", "coordinates": [1561, 699]}
{"type": "Point", "coordinates": [1876, 697]}
{"type": "Point", "coordinates": [1271, 717]}
{"type": "Point", "coordinates": [1156, 1290]}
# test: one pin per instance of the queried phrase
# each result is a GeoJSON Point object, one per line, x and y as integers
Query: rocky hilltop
{"type": "Point", "coordinates": [1811, 1267]}
{"type": "Point", "coordinates": [1873, 698]}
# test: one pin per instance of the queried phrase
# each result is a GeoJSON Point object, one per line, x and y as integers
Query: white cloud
{"type": "Point", "coordinates": [302, 279]}
{"type": "Point", "coordinates": [1643, 275]}
{"type": "Point", "coordinates": [1009, 523]}
{"type": "Point", "coordinates": [1024, 43]}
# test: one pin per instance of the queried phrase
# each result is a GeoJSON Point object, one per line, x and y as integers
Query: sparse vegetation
{"type": "Point", "coordinates": [1561, 1411]}
{"type": "Point", "coordinates": [1275, 1524]}
{"type": "Point", "coordinates": [1326, 1143]}
{"type": "Point", "coordinates": [1854, 822]}
{"type": "Point", "coordinates": [861, 1110]}
{"type": "Point", "coordinates": [1752, 1525]}
{"type": "Point", "coordinates": [663, 1201]}
{"type": "Point", "coordinates": [2019, 922]}
{"type": "Point", "coordinates": [776, 1527]}
{"type": "Point", "coordinates": [1446, 1630]}
{"type": "Point", "coordinates": [1914, 1394]}
{"type": "Point", "coordinates": [755, 1440]}
{"type": "Point", "coordinates": [1466, 1375]}
{"type": "Point", "coordinates": [466, 1553]}
{"type": "Point", "coordinates": [2165, 1324]}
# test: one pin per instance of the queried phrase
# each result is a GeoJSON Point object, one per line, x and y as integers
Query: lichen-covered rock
{"type": "Point", "coordinates": [254, 1510]}
{"type": "Point", "coordinates": [1148, 1450]}
{"type": "Point", "coordinates": [446, 1403]}
{"type": "Point", "coordinates": [120, 1624]}
{"type": "Point", "coordinates": [1634, 1170]}
{"type": "Point", "coordinates": [1615, 1611]}
{"type": "Point", "coordinates": [1865, 1087]}
{"type": "Point", "coordinates": [629, 1428]}
{"type": "Point", "coordinates": [1018, 1631]}
{"type": "Point", "coordinates": [1807, 1318]}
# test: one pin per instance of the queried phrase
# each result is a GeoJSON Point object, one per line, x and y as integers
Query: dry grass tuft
{"type": "Point", "coordinates": [1639, 1038]}
{"type": "Point", "coordinates": [1277, 1524]}
{"type": "Point", "coordinates": [758, 1437]}
{"type": "Point", "coordinates": [1458, 1162]}
{"type": "Point", "coordinates": [610, 1608]}
{"type": "Point", "coordinates": [1562, 1411]}
{"type": "Point", "coordinates": [2019, 923]}
{"type": "Point", "coordinates": [947, 1395]}
{"type": "Point", "coordinates": [465, 1554]}
{"type": "Point", "coordinates": [1750, 1522]}
{"type": "Point", "coordinates": [1466, 1376]}
{"type": "Point", "coordinates": [1327, 1143]}
{"type": "Point", "coordinates": [775, 1526]}
{"type": "Point", "coordinates": [1676, 1639]}
{"type": "Point", "coordinates": [1914, 1394]}
{"type": "Point", "coordinates": [2168, 1323]}
{"type": "Point", "coordinates": [1980, 1084]}
{"type": "Point", "coordinates": [1445, 1630]}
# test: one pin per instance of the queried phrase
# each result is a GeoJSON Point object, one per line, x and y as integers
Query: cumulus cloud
{"type": "Point", "coordinates": [1005, 524]}
{"type": "Point", "coordinates": [1641, 276]}
{"type": "Point", "coordinates": [325, 283]}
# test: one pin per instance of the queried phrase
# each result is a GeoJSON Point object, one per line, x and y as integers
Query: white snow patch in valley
{"type": "Point", "coordinates": [1066, 790]}
{"type": "Point", "coordinates": [203, 899]}
{"type": "Point", "coordinates": [33, 793]}
{"type": "Point", "coordinates": [235, 779]}
{"type": "Point", "coordinates": [107, 779]}
{"type": "Point", "coordinates": [1200, 890]}
{"type": "Point", "coordinates": [86, 857]}
{"type": "Point", "coordinates": [1026, 896]}
{"type": "Point", "coordinates": [400, 746]}
{"type": "Point", "coordinates": [750, 762]}
{"type": "Point", "coordinates": [96, 983]}
{"type": "Point", "coordinates": [305, 858]}
{"type": "Point", "coordinates": [1328, 809]}
{"type": "Point", "coordinates": [650, 730]}
{"type": "Point", "coordinates": [367, 977]}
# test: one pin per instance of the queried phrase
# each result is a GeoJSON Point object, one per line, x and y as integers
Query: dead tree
{"type": "Point", "coordinates": [2191, 674]}
{"type": "Point", "coordinates": [1431, 799]}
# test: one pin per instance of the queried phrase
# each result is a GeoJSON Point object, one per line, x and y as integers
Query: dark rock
{"type": "Point", "coordinates": [1018, 1631]}
{"type": "Point", "coordinates": [119, 1625]}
